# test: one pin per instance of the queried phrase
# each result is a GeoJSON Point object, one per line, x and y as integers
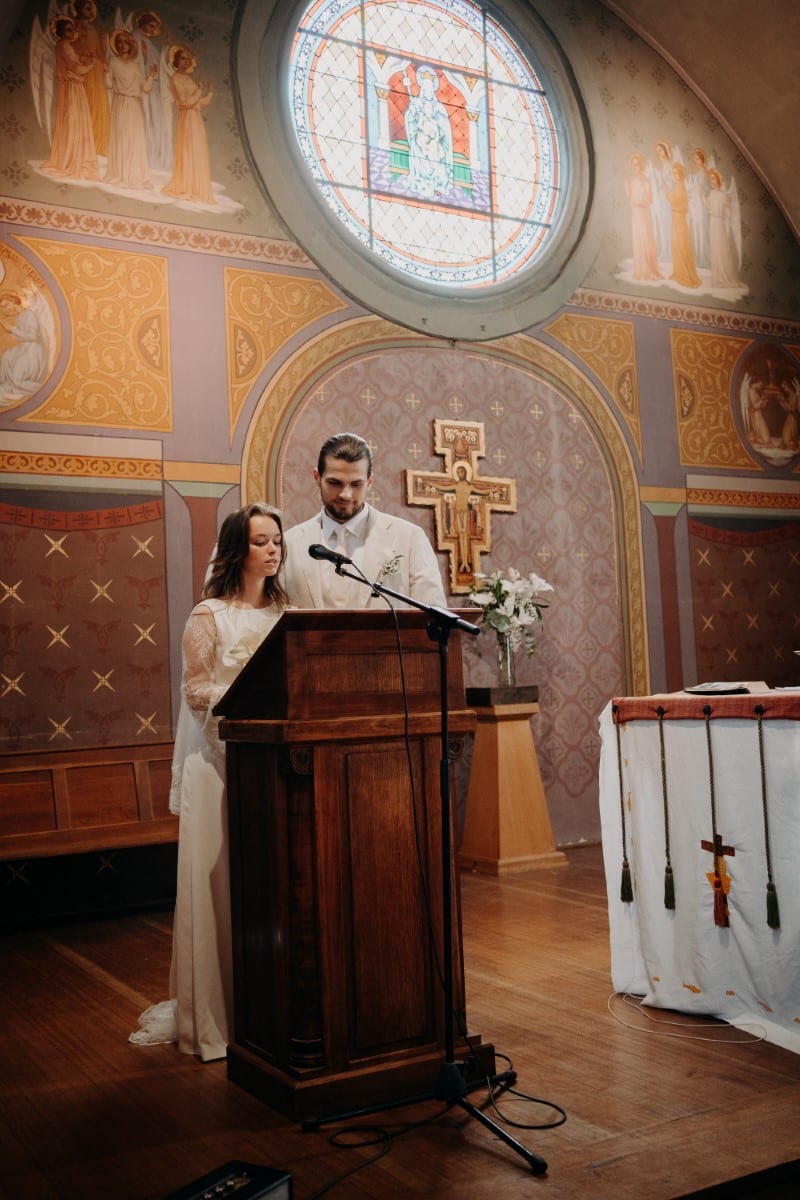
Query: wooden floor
{"type": "Point", "coordinates": [656, 1110]}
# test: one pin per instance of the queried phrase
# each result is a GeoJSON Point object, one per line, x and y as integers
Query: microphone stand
{"type": "Point", "coordinates": [451, 1084]}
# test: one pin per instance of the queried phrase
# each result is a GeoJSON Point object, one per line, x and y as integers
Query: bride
{"type": "Point", "coordinates": [242, 600]}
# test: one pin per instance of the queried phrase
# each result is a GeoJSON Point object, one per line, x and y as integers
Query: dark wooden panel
{"type": "Point", "coordinates": [78, 886]}
{"type": "Point", "coordinates": [159, 773]}
{"type": "Point", "coordinates": [338, 1003]}
{"type": "Point", "coordinates": [391, 1001]}
{"type": "Point", "coordinates": [27, 804]}
{"type": "Point", "coordinates": [102, 795]}
{"type": "Point", "coordinates": [65, 802]}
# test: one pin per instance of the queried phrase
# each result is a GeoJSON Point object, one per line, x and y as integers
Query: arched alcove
{"type": "Point", "coordinates": [578, 507]}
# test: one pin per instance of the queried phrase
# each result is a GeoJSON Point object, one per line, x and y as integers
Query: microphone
{"type": "Point", "coordinates": [339, 560]}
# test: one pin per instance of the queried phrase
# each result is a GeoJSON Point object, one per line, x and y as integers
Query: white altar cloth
{"type": "Point", "coordinates": [747, 973]}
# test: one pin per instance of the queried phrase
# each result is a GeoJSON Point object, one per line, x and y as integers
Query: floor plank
{"type": "Point", "coordinates": [687, 1105]}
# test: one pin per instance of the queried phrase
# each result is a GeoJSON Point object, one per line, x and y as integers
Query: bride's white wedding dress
{"type": "Point", "coordinates": [218, 640]}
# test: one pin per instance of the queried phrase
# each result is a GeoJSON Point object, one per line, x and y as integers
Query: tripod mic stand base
{"type": "Point", "coordinates": [536, 1164]}
{"type": "Point", "coordinates": [451, 1086]}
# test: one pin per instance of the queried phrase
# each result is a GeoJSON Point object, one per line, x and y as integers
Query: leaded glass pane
{"type": "Point", "coordinates": [429, 134]}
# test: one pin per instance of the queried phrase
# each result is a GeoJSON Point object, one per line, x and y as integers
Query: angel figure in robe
{"type": "Point", "coordinates": [91, 48]}
{"type": "Point", "coordinates": [724, 231]}
{"type": "Point", "coordinates": [127, 147]}
{"type": "Point", "coordinates": [60, 78]}
{"type": "Point", "coordinates": [158, 103]}
{"type": "Point", "coordinates": [640, 195]}
{"type": "Point", "coordinates": [697, 187]}
{"type": "Point", "coordinates": [27, 329]}
{"type": "Point", "coordinates": [147, 29]}
{"type": "Point", "coordinates": [754, 400]}
{"type": "Point", "coordinates": [191, 177]}
{"type": "Point", "coordinates": [684, 270]}
{"type": "Point", "coordinates": [661, 181]}
{"type": "Point", "coordinates": [790, 403]}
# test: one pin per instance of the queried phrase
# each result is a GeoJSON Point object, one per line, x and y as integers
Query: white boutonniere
{"type": "Point", "coordinates": [391, 566]}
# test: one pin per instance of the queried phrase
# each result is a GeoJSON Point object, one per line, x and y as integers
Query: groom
{"type": "Point", "coordinates": [389, 550]}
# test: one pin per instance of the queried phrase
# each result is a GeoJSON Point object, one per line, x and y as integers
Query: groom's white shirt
{"type": "Point", "coordinates": [389, 550]}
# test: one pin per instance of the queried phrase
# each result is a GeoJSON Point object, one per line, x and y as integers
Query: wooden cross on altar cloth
{"type": "Point", "coordinates": [463, 503]}
{"type": "Point", "coordinates": [719, 878]}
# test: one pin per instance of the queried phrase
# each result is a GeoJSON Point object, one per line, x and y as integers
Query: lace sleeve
{"type": "Point", "coordinates": [199, 655]}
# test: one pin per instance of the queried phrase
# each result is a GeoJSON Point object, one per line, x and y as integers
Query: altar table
{"type": "Point", "coordinates": [700, 808]}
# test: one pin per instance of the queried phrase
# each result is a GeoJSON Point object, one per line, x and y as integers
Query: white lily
{"type": "Point", "coordinates": [512, 604]}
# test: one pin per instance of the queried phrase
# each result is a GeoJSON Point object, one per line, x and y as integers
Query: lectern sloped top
{"type": "Point", "coordinates": [319, 663]}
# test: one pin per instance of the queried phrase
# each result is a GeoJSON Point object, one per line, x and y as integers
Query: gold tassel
{"type": "Point", "coordinates": [626, 887]}
{"type": "Point", "coordinates": [669, 887]}
{"type": "Point", "coordinates": [773, 912]}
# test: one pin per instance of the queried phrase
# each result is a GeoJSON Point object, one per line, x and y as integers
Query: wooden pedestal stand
{"type": "Point", "coordinates": [507, 826]}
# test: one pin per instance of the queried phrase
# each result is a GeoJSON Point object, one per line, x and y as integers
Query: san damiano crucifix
{"type": "Point", "coordinates": [463, 501]}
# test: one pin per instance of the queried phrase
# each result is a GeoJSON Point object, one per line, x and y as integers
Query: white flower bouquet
{"type": "Point", "coordinates": [512, 605]}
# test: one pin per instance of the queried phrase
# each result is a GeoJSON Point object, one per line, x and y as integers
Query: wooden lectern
{"type": "Point", "coordinates": [336, 862]}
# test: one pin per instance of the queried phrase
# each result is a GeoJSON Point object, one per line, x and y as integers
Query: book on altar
{"type": "Point", "coordinates": [727, 688]}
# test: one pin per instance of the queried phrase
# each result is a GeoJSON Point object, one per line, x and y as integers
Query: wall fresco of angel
{"type": "Point", "coordinates": [122, 107]}
{"type": "Point", "coordinates": [686, 225]}
{"type": "Point", "coordinates": [29, 333]}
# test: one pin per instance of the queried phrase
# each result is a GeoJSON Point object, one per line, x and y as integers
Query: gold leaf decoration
{"type": "Point", "coordinates": [118, 373]}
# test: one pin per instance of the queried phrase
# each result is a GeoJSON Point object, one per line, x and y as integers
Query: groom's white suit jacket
{"type": "Point", "coordinates": [389, 540]}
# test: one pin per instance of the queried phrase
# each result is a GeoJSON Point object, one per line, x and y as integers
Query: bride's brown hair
{"type": "Point", "coordinates": [233, 547]}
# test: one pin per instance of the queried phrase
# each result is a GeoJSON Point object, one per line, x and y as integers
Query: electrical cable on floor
{"type": "Point", "coordinates": [517, 1097]}
{"type": "Point", "coordinates": [369, 1135]}
{"type": "Point", "coordinates": [636, 1003]}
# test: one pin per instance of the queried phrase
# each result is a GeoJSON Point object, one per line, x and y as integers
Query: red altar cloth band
{"type": "Point", "coordinates": [679, 706]}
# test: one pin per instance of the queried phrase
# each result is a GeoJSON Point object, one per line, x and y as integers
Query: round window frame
{"type": "Point", "coordinates": [261, 52]}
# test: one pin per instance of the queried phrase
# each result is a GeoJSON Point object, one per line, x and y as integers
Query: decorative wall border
{"type": "Point", "coordinates": [126, 464]}
{"type": "Point", "coordinates": [141, 513]}
{"type": "Point", "coordinates": [685, 314]}
{"type": "Point", "coordinates": [755, 501]}
{"type": "Point", "coordinates": [147, 232]}
{"type": "Point", "coordinates": [95, 466]}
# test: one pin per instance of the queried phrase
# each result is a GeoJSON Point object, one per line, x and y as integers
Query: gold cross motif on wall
{"type": "Point", "coordinates": [463, 502]}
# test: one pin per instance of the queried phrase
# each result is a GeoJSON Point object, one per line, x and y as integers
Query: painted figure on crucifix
{"type": "Point", "coordinates": [463, 502]}
{"type": "Point", "coordinates": [464, 511]}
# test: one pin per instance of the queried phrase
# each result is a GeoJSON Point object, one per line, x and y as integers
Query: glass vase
{"type": "Point", "coordinates": [506, 661]}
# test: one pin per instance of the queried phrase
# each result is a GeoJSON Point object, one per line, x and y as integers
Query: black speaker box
{"type": "Point", "coordinates": [240, 1181]}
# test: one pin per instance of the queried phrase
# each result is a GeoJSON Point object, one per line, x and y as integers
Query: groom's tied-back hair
{"type": "Point", "coordinates": [349, 446]}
